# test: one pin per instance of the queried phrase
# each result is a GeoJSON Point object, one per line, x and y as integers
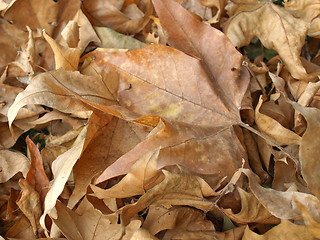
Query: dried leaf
{"type": "Point", "coordinates": [285, 230]}
{"type": "Point", "coordinates": [274, 26]}
{"type": "Point", "coordinates": [251, 211]}
{"type": "Point", "coordinates": [36, 176]}
{"type": "Point", "coordinates": [65, 57]}
{"type": "Point", "coordinates": [309, 150]}
{"type": "Point", "coordinates": [30, 204]}
{"type": "Point", "coordinates": [270, 127]}
{"type": "Point", "coordinates": [199, 120]}
{"type": "Point", "coordinates": [12, 163]}
{"type": "Point", "coordinates": [140, 179]}
{"type": "Point", "coordinates": [175, 189]}
{"type": "Point", "coordinates": [113, 39]}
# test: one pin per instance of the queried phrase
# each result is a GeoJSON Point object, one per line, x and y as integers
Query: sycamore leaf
{"type": "Point", "coordinates": [275, 27]}
{"type": "Point", "coordinates": [140, 179]}
{"type": "Point", "coordinates": [61, 169]}
{"type": "Point", "coordinates": [117, 136]}
{"type": "Point", "coordinates": [12, 163]}
{"type": "Point", "coordinates": [52, 89]}
{"type": "Point", "coordinates": [281, 204]}
{"type": "Point", "coordinates": [36, 176]}
{"type": "Point", "coordinates": [175, 189]}
{"type": "Point", "coordinates": [220, 60]}
{"type": "Point", "coordinates": [251, 211]}
{"type": "Point", "coordinates": [113, 39]}
{"type": "Point", "coordinates": [285, 230]}
{"type": "Point", "coordinates": [86, 222]}
{"type": "Point", "coordinates": [65, 57]}
{"type": "Point", "coordinates": [40, 14]}
{"type": "Point", "coordinates": [131, 21]}
{"type": "Point", "coordinates": [312, 225]}
{"type": "Point", "coordinates": [196, 121]}
{"type": "Point", "coordinates": [272, 128]}
{"type": "Point", "coordinates": [309, 150]}
{"type": "Point", "coordinates": [178, 218]}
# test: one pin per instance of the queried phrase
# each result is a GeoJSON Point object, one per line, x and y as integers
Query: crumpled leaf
{"type": "Point", "coordinates": [65, 57]}
{"type": "Point", "coordinates": [11, 163]}
{"type": "Point", "coordinates": [175, 189]}
{"type": "Point", "coordinates": [177, 219]}
{"type": "Point", "coordinates": [282, 204]}
{"type": "Point", "coordinates": [61, 169]}
{"type": "Point", "coordinates": [309, 10]}
{"type": "Point", "coordinates": [109, 14]}
{"type": "Point", "coordinates": [36, 176]}
{"type": "Point", "coordinates": [30, 204]}
{"type": "Point", "coordinates": [140, 179]}
{"type": "Point", "coordinates": [274, 26]}
{"type": "Point", "coordinates": [251, 211]}
{"type": "Point", "coordinates": [86, 222]}
{"type": "Point", "coordinates": [309, 150]}
{"type": "Point", "coordinates": [118, 137]}
{"type": "Point", "coordinates": [283, 231]}
{"type": "Point", "coordinates": [270, 127]}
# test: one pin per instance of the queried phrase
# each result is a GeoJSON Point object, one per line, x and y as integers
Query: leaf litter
{"type": "Point", "coordinates": [152, 123]}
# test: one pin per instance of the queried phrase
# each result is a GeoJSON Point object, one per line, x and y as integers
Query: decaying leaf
{"type": "Point", "coordinates": [275, 27]}
{"type": "Point", "coordinates": [285, 230]}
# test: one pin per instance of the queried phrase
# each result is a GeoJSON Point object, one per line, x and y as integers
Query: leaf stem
{"type": "Point", "coordinates": [296, 161]}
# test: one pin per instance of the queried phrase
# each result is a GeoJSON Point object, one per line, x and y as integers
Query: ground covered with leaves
{"type": "Point", "coordinates": [159, 119]}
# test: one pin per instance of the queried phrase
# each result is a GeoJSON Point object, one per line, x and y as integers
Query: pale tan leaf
{"type": "Point", "coordinates": [65, 57]}
{"type": "Point", "coordinates": [61, 169]}
{"type": "Point", "coordinates": [251, 211]}
{"type": "Point", "coordinates": [11, 163]}
{"type": "Point", "coordinates": [140, 179]}
{"type": "Point", "coordinates": [275, 27]}
{"type": "Point", "coordinates": [273, 129]}
{"type": "Point", "coordinates": [309, 148]}
{"type": "Point", "coordinates": [113, 39]}
{"type": "Point", "coordinates": [285, 230]}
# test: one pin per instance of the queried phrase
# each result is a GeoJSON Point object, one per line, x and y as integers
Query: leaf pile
{"type": "Point", "coordinates": [147, 120]}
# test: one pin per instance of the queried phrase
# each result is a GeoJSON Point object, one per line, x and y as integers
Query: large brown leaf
{"type": "Point", "coordinates": [196, 130]}
{"type": "Point", "coordinates": [221, 61]}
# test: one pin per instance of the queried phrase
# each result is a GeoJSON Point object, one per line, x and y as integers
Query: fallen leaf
{"type": "Point", "coordinates": [11, 163]}
{"type": "Point", "coordinates": [251, 211]}
{"type": "Point", "coordinates": [190, 118]}
{"type": "Point", "coordinates": [30, 204]}
{"type": "Point", "coordinates": [113, 39]}
{"type": "Point", "coordinates": [139, 180]}
{"type": "Point", "coordinates": [65, 57]}
{"type": "Point", "coordinates": [109, 14]}
{"type": "Point", "coordinates": [285, 230]}
{"type": "Point", "coordinates": [309, 150]}
{"type": "Point", "coordinates": [89, 223]}
{"type": "Point", "coordinates": [273, 129]}
{"type": "Point", "coordinates": [175, 189]}
{"type": "Point", "coordinates": [41, 14]}
{"type": "Point", "coordinates": [274, 26]}
{"type": "Point", "coordinates": [36, 176]}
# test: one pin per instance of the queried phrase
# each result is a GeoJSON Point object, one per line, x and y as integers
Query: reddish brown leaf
{"type": "Point", "coordinates": [36, 177]}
